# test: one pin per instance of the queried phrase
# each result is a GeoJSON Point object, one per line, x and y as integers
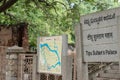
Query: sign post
{"type": "Point", "coordinates": [82, 68]}
{"type": "Point", "coordinates": [53, 58]}
{"type": "Point", "coordinates": [98, 39]}
{"type": "Point", "coordinates": [100, 36]}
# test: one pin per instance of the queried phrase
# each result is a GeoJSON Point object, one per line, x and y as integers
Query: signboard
{"type": "Point", "coordinates": [100, 36]}
{"type": "Point", "coordinates": [49, 54]}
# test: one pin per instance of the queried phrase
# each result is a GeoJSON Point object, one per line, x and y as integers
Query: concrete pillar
{"type": "Point", "coordinates": [12, 62]}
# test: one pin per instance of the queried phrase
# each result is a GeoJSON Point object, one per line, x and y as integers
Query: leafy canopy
{"type": "Point", "coordinates": [52, 17]}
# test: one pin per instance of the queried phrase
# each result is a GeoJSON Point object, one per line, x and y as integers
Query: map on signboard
{"type": "Point", "coordinates": [50, 49]}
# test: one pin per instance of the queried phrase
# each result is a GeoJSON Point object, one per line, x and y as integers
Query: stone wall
{"type": "Point", "coordinates": [19, 64]}
{"type": "Point", "coordinates": [9, 36]}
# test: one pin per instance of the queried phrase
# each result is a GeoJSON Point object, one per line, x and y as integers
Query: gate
{"type": "Point", "coordinates": [26, 66]}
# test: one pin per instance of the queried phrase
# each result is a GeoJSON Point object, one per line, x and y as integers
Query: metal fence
{"type": "Point", "coordinates": [26, 69]}
{"type": "Point", "coordinates": [44, 76]}
{"type": "Point", "coordinates": [26, 66]}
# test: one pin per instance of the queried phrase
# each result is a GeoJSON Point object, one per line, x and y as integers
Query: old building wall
{"type": "Point", "coordinates": [10, 36]}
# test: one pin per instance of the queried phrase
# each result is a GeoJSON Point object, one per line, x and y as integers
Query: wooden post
{"type": "Point", "coordinates": [85, 72]}
{"type": "Point", "coordinates": [82, 72]}
{"type": "Point", "coordinates": [38, 75]}
{"type": "Point", "coordinates": [67, 68]}
{"type": "Point", "coordinates": [75, 63]}
{"type": "Point", "coordinates": [66, 61]}
{"type": "Point", "coordinates": [34, 67]}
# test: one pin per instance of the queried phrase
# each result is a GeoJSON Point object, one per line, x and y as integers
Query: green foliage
{"type": "Point", "coordinates": [52, 17]}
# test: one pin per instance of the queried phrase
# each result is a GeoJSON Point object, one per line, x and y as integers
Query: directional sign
{"type": "Point", "coordinates": [100, 36]}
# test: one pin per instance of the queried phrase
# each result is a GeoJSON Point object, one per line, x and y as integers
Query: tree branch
{"type": "Point", "coordinates": [7, 5]}
{"type": "Point", "coordinates": [60, 3]}
{"type": "Point", "coordinates": [10, 15]}
{"type": "Point", "coordinates": [37, 5]}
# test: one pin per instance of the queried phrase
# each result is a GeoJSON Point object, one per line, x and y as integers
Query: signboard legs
{"type": "Point", "coordinates": [85, 68]}
{"type": "Point", "coordinates": [34, 67]}
{"type": "Point", "coordinates": [82, 68]}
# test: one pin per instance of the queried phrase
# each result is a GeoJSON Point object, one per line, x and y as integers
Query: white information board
{"type": "Point", "coordinates": [50, 52]}
{"type": "Point", "coordinates": [100, 36]}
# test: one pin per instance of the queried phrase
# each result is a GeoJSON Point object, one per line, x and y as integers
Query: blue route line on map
{"type": "Point", "coordinates": [54, 51]}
